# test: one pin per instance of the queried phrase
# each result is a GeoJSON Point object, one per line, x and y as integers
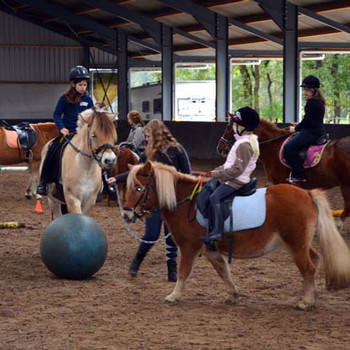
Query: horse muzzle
{"type": "Point", "coordinates": [129, 215]}
{"type": "Point", "coordinates": [109, 160]}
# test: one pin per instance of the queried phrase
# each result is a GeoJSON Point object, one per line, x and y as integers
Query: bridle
{"type": "Point", "coordinates": [94, 152]}
{"type": "Point", "coordinates": [143, 198]}
{"type": "Point", "coordinates": [145, 195]}
{"type": "Point", "coordinates": [230, 143]}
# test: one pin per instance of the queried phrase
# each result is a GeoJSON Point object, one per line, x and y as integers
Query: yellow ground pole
{"type": "Point", "coordinates": [11, 224]}
{"type": "Point", "coordinates": [337, 212]}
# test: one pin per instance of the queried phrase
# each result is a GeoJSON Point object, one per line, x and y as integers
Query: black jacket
{"type": "Point", "coordinates": [174, 155]}
{"type": "Point", "coordinates": [313, 119]}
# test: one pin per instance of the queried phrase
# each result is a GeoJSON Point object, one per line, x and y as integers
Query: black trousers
{"type": "Point", "coordinates": [299, 141]}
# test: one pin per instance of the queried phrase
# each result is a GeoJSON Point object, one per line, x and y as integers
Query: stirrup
{"type": "Point", "coordinates": [42, 189]}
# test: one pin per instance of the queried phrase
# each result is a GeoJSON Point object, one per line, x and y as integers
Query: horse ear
{"type": "Point", "coordinates": [86, 116]}
{"type": "Point", "coordinates": [148, 167]}
{"type": "Point", "coordinates": [112, 116]}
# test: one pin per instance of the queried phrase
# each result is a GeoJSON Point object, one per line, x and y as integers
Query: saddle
{"type": "Point", "coordinates": [226, 205]}
{"type": "Point", "coordinates": [25, 136]}
{"type": "Point", "coordinates": [55, 166]}
{"type": "Point", "coordinates": [310, 155]}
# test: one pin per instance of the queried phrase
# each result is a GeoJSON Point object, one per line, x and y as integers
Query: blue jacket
{"type": "Point", "coordinates": [66, 114]}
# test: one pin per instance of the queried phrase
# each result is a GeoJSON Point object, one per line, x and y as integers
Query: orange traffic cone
{"type": "Point", "coordinates": [38, 208]}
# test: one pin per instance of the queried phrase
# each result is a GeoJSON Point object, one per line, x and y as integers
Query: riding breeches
{"type": "Point", "coordinates": [300, 140]}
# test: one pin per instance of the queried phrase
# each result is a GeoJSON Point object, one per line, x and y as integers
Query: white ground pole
{"type": "Point", "coordinates": [13, 168]}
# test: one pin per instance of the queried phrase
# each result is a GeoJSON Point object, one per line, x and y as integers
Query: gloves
{"type": "Point", "coordinates": [208, 174]}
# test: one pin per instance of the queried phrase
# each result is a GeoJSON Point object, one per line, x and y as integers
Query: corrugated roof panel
{"type": "Point", "coordinates": [38, 64]}
{"type": "Point", "coordinates": [17, 31]}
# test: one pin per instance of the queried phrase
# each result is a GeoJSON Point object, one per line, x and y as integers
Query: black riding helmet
{"type": "Point", "coordinates": [311, 82]}
{"type": "Point", "coordinates": [79, 73]}
{"type": "Point", "coordinates": [247, 117]}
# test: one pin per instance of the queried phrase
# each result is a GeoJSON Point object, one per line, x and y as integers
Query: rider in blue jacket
{"type": "Point", "coordinates": [69, 106]}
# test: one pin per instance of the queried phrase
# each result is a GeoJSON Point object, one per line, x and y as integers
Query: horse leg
{"type": "Point", "coordinates": [33, 169]}
{"type": "Point", "coordinates": [73, 204]}
{"type": "Point", "coordinates": [55, 207]}
{"type": "Point", "coordinates": [346, 195]}
{"type": "Point", "coordinates": [222, 267]}
{"type": "Point", "coordinates": [187, 256]}
{"type": "Point", "coordinates": [307, 269]}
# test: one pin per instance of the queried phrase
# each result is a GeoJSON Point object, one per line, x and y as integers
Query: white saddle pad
{"type": "Point", "coordinates": [248, 212]}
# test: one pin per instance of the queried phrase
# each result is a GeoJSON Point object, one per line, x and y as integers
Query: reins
{"type": "Point", "coordinates": [273, 139]}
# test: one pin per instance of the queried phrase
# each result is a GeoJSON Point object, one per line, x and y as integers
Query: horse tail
{"type": "Point", "coordinates": [335, 252]}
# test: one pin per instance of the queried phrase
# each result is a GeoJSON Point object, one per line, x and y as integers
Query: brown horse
{"type": "Point", "coordinates": [10, 156]}
{"type": "Point", "coordinates": [87, 153]}
{"type": "Point", "coordinates": [125, 157]}
{"type": "Point", "coordinates": [293, 216]}
{"type": "Point", "coordinates": [333, 169]}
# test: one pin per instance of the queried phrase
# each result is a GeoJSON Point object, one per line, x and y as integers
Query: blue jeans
{"type": "Point", "coordinates": [299, 141]}
{"type": "Point", "coordinates": [221, 192]}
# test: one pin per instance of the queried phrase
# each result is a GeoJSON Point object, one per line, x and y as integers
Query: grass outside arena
{"type": "Point", "coordinates": [111, 312]}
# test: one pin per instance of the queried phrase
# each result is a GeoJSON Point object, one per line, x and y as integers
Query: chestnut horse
{"type": "Point", "coordinates": [333, 169]}
{"type": "Point", "coordinates": [293, 216]}
{"type": "Point", "coordinates": [125, 157]}
{"type": "Point", "coordinates": [87, 153]}
{"type": "Point", "coordinates": [10, 156]}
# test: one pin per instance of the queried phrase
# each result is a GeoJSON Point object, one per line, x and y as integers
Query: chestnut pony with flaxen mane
{"type": "Point", "coordinates": [10, 156]}
{"type": "Point", "coordinates": [333, 169]}
{"type": "Point", "coordinates": [293, 216]}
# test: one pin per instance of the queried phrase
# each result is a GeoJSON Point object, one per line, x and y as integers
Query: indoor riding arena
{"type": "Point", "coordinates": [187, 63]}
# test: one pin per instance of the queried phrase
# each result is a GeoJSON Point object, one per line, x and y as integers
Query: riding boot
{"type": "Point", "coordinates": [140, 255]}
{"type": "Point", "coordinates": [172, 271]}
{"type": "Point", "coordinates": [215, 234]}
{"type": "Point", "coordinates": [42, 187]}
{"type": "Point", "coordinates": [171, 256]}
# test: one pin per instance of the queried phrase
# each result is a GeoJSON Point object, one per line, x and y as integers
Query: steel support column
{"type": "Point", "coordinates": [167, 73]}
{"type": "Point", "coordinates": [290, 63]}
{"type": "Point", "coordinates": [222, 68]}
{"type": "Point", "coordinates": [122, 50]}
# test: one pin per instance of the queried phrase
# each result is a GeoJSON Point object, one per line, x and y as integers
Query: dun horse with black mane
{"type": "Point", "coordinates": [293, 216]}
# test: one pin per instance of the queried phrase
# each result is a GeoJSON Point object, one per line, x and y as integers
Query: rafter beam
{"type": "Point", "coordinates": [324, 19]}
{"type": "Point", "coordinates": [73, 19]}
{"type": "Point", "coordinates": [148, 24]}
{"type": "Point", "coordinates": [257, 32]}
{"type": "Point", "coordinates": [58, 30]}
{"type": "Point", "coordinates": [204, 16]}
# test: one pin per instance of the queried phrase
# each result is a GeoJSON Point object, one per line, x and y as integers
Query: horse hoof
{"type": "Point", "coordinates": [232, 301]}
{"type": "Point", "coordinates": [170, 301]}
{"type": "Point", "coordinates": [302, 306]}
{"type": "Point", "coordinates": [28, 196]}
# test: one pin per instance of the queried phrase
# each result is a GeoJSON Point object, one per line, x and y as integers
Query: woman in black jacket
{"type": "Point", "coordinates": [161, 146]}
{"type": "Point", "coordinates": [308, 131]}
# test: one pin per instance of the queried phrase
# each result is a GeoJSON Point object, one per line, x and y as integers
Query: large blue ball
{"type": "Point", "coordinates": [73, 246]}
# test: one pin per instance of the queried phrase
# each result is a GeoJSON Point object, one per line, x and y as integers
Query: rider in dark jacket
{"type": "Point", "coordinates": [308, 131]}
{"type": "Point", "coordinates": [161, 147]}
{"type": "Point", "coordinates": [69, 106]}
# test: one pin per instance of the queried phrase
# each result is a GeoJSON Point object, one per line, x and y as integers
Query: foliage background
{"type": "Point", "coordinates": [260, 85]}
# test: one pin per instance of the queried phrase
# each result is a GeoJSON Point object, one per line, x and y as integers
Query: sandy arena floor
{"type": "Point", "coordinates": [110, 311]}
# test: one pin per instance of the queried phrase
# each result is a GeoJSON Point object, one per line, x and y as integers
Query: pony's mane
{"type": "Point", "coordinates": [99, 119]}
{"type": "Point", "coordinates": [270, 125]}
{"type": "Point", "coordinates": [166, 179]}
